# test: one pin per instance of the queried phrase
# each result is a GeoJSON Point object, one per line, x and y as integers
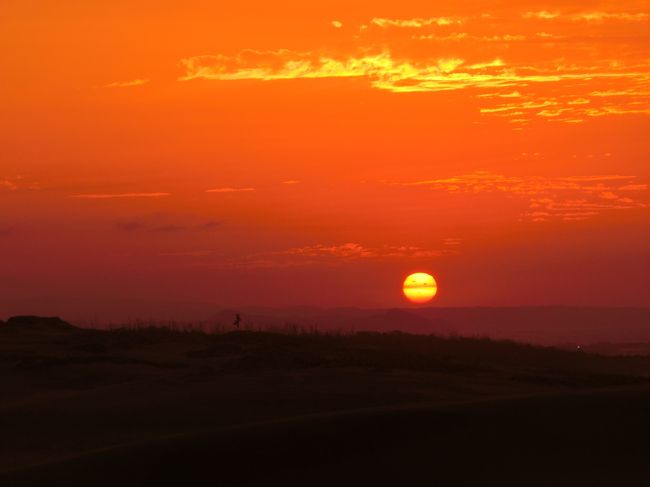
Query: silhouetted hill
{"type": "Point", "coordinates": [540, 325]}
{"type": "Point", "coordinates": [36, 324]}
{"type": "Point", "coordinates": [159, 406]}
{"type": "Point", "coordinates": [546, 325]}
{"type": "Point", "coordinates": [334, 319]}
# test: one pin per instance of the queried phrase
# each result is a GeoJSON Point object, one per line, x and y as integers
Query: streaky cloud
{"type": "Point", "coordinates": [229, 190]}
{"type": "Point", "coordinates": [568, 198]}
{"type": "Point", "coordinates": [416, 22]}
{"type": "Point", "coordinates": [127, 84]}
{"type": "Point", "coordinates": [102, 196]}
{"type": "Point", "coordinates": [583, 90]}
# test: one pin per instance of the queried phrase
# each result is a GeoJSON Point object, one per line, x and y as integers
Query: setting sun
{"type": "Point", "coordinates": [420, 287]}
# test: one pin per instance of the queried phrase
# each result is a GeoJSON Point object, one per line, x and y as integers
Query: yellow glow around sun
{"type": "Point", "coordinates": [420, 287]}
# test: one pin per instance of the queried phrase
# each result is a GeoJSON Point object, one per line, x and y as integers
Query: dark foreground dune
{"type": "Point", "coordinates": [578, 439]}
{"type": "Point", "coordinates": [157, 407]}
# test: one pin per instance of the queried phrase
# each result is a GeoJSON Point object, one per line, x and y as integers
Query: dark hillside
{"type": "Point", "coordinates": [108, 407]}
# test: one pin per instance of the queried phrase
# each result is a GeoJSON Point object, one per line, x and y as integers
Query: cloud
{"type": "Point", "coordinates": [354, 251]}
{"type": "Point", "coordinates": [452, 241]}
{"type": "Point", "coordinates": [603, 16]}
{"type": "Point", "coordinates": [512, 94]}
{"type": "Point", "coordinates": [588, 16]}
{"type": "Point", "coordinates": [569, 198]}
{"type": "Point", "coordinates": [8, 184]}
{"type": "Point", "coordinates": [573, 83]}
{"type": "Point", "coordinates": [347, 250]}
{"type": "Point", "coordinates": [229, 190]}
{"type": "Point", "coordinates": [337, 24]}
{"type": "Point", "coordinates": [634, 187]}
{"type": "Point", "coordinates": [209, 225]}
{"type": "Point", "coordinates": [416, 22]}
{"type": "Point", "coordinates": [162, 223]}
{"type": "Point", "coordinates": [382, 69]}
{"type": "Point", "coordinates": [454, 36]}
{"type": "Point", "coordinates": [127, 84]}
{"type": "Point", "coordinates": [189, 253]}
{"type": "Point", "coordinates": [338, 253]}
{"type": "Point", "coordinates": [491, 57]}
{"type": "Point", "coordinates": [102, 196]}
{"type": "Point", "coordinates": [609, 195]}
{"type": "Point", "coordinates": [464, 36]}
{"type": "Point", "coordinates": [291, 181]}
{"type": "Point", "coordinates": [541, 14]}
{"type": "Point", "coordinates": [130, 226]}
{"type": "Point", "coordinates": [575, 105]}
{"type": "Point", "coordinates": [17, 183]}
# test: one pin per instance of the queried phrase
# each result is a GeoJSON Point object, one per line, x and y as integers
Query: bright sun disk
{"type": "Point", "coordinates": [420, 287]}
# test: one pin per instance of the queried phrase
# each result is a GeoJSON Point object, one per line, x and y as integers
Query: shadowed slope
{"type": "Point", "coordinates": [157, 406]}
{"type": "Point", "coordinates": [581, 439]}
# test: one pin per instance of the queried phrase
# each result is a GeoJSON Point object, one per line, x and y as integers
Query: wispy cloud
{"type": "Point", "coordinates": [337, 24]}
{"type": "Point", "coordinates": [484, 57]}
{"type": "Point", "coordinates": [161, 223]}
{"type": "Point", "coordinates": [102, 196]}
{"type": "Point", "coordinates": [189, 253]}
{"type": "Point", "coordinates": [603, 16]}
{"type": "Point", "coordinates": [571, 102]}
{"type": "Point", "coordinates": [452, 241]}
{"type": "Point", "coordinates": [127, 84]}
{"type": "Point", "coordinates": [588, 16]}
{"type": "Point", "coordinates": [568, 198]}
{"type": "Point", "coordinates": [8, 184]}
{"type": "Point", "coordinates": [634, 187]}
{"type": "Point", "coordinates": [17, 183]}
{"type": "Point", "coordinates": [355, 251]}
{"type": "Point", "coordinates": [573, 83]}
{"type": "Point", "coordinates": [381, 69]}
{"type": "Point", "coordinates": [346, 250]}
{"type": "Point", "coordinates": [464, 36]}
{"type": "Point", "coordinates": [541, 14]}
{"type": "Point", "coordinates": [333, 254]}
{"type": "Point", "coordinates": [416, 22]}
{"type": "Point", "coordinates": [229, 190]}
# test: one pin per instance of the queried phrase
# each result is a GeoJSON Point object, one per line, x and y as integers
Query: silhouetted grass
{"type": "Point", "coordinates": [296, 347]}
{"type": "Point", "coordinates": [216, 347]}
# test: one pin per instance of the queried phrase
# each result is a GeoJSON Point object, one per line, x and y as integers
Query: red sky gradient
{"type": "Point", "coordinates": [286, 153]}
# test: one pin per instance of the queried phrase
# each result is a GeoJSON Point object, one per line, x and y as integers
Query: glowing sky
{"type": "Point", "coordinates": [290, 153]}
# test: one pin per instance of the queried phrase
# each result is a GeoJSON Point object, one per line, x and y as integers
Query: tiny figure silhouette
{"type": "Point", "coordinates": [237, 320]}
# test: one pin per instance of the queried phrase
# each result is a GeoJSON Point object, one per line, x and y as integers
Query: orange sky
{"type": "Point", "coordinates": [286, 153]}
